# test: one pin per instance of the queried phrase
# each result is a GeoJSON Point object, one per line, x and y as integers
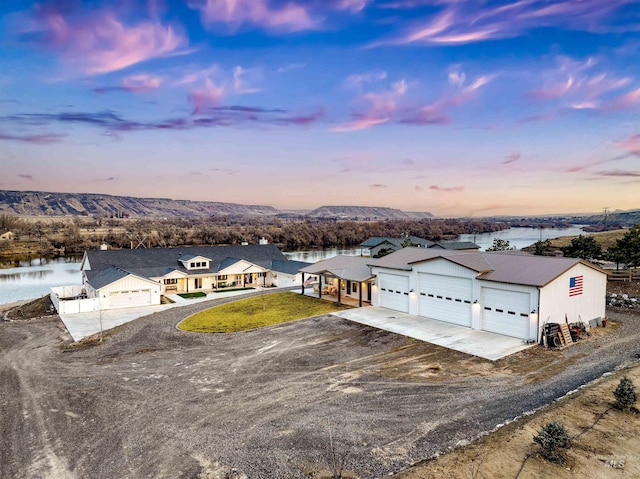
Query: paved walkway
{"type": "Point", "coordinates": [82, 325]}
{"type": "Point", "coordinates": [478, 343]}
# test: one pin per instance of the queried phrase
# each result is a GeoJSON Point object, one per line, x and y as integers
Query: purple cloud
{"type": "Point", "coordinates": [512, 158]}
{"type": "Point", "coordinates": [133, 84]}
{"type": "Point", "coordinates": [40, 139]}
{"type": "Point", "coordinates": [476, 21]}
{"type": "Point", "coordinates": [26, 177]}
{"type": "Point", "coordinates": [619, 173]}
{"type": "Point", "coordinates": [449, 189]}
{"type": "Point", "coordinates": [379, 186]}
{"type": "Point", "coordinates": [100, 42]}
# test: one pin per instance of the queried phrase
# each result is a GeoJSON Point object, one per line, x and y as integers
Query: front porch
{"type": "Point", "coordinates": [333, 297]}
{"type": "Point", "coordinates": [214, 283]}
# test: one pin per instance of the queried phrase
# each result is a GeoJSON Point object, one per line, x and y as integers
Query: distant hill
{"type": "Point", "coordinates": [364, 213]}
{"type": "Point", "coordinates": [82, 204]}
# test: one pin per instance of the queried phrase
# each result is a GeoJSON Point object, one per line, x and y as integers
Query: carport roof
{"type": "Point", "coordinates": [352, 268]}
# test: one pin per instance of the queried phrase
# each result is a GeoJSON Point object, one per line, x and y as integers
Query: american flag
{"type": "Point", "coordinates": [575, 285]}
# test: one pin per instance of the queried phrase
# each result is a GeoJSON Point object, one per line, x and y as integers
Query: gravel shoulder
{"type": "Point", "coordinates": [153, 401]}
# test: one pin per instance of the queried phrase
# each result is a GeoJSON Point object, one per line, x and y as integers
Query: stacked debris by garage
{"type": "Point", "coordinates": [561, 335]}
{"type": "Point", "coordinates": [623, 301]}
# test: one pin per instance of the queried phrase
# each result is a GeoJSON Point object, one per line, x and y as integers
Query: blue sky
{"type": "Point", "coordinates": [461, 108]}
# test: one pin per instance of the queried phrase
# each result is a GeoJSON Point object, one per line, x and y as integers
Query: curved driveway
{"type": "Point", "coordinates": [157, 402]}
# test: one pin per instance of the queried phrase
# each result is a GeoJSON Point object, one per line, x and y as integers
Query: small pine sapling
{"type": "Point", "coordinates": [553, 440]}
{"type": "Point", "coordinates": [625, 394]}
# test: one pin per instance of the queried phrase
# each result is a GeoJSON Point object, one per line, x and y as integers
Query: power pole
{"type": "Point", "coordinates": [606, 211]}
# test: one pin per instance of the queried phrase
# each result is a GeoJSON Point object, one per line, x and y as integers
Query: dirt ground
{"type": "Point", "coordinates": [632, 288]}
{"type": "Point", "coordinates": [608, 450]}
{"type": "Point", "coordinates": [156, 402]}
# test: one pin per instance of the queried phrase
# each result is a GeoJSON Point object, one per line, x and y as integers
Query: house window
{"type": "Point", "coordinates": [222, 277]}
{"type": "Point", "coordinates": [197, 283]}
{"type": "Point", "coordinates": [354, 287]}
{"type": "Point", "coordinates": [192, 265]}
{"type": "Point", "coordinates": [171, 281]}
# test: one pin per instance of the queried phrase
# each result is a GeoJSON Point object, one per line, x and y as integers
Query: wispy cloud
{"type": "Point", "coordinates": [114, 124]}
{"type": "Point", "coordinates": [390, 106]}
{"type": "Point", "coordinates": [290, 67]}
{"type": "Point", "coordinates": [379, 186]}
{"type": "Point", "coordinates": [576, 85]}
{"type": "Point", "coordinates": [134, 84]}
{"type": "Point", "coordinates": [208, 96]}
{"type": "Point", "coordinates": [512, 158]}
{"type": "Point", "coordinates": [446, 189]}
{"type": "Point", "coordinates": [101, 42]}
{"type": "Point", "coordinates": [290, 17]}
{"type": "Point", "coordinates": [39, 139]}
{"type": "Point", "coordinates": [26, 177]}
{"type": "Point", "coordinates": [242, 79]}
{"type": "Point", "coordinates": [457, 22]}
{"type": "Point", "coordinates": [620, 173]}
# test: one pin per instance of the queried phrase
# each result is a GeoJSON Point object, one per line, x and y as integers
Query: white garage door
{"type": "Point", "coordinates": [445, 298]}
{"type": "Point", "coordinates": [394, 292]}
{"type": "Point", "coordinates": [130, 299]}
{"type": "Point", "coordinates": [506, 312]}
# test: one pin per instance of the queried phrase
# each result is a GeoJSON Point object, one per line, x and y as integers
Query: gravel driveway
{"type": "Point", "coordinates": [156, 402]}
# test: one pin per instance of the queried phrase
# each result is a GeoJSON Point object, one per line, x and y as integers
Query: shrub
{"type": "Point", "coordinates": [553, 440]}
{"type": "Point", "coordinates": [625, 394]}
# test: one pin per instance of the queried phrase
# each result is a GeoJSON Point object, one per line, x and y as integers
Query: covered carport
{"type": "Point", "coordinates": [341, 276]}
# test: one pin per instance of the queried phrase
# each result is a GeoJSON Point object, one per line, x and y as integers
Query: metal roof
{"type": "Point", "coordinates": [515, 267]}
{"type": "Point", "coordinates": [352, 268]}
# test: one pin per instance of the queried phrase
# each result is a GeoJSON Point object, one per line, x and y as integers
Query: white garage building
{"type": "Point", "coordinates": [511, 293]}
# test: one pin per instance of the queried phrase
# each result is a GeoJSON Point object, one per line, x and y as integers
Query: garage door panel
{"type": "Point", "coordinates": [445, 298]}
{"type": "Point", "coordinates": [394, 292]}
{"type": "Point", "coordinates": [506, 312]}
{"type": "Point", "coordinates": [129, 299]}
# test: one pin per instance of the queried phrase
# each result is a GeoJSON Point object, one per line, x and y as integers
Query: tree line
{"type": "Point", "coordinates": [80, 233]}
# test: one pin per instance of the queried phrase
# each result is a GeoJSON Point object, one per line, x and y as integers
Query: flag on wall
{"type": "Point", "coordinates": [575, 285]}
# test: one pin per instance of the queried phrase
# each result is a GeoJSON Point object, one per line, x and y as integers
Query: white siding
{"type": "Point", "coordinates": [445, 298]}
{"type": "Point", "coordinates": [556, 304]}
{"type": "Point", "coordinates": [506, 312]}
{"type": "Point", "coordinates": [129, 283]}
{"type": "Point", "coordinates": [394, 291]}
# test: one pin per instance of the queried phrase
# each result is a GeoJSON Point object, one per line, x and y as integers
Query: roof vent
{"type": "Point", "coordinates": [263, 240]}
{"type": "Point", "coordinates": [244, 243]}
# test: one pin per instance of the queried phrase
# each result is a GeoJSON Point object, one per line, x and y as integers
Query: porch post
{"type": "Point", "coordinates": [319, 286]}
{"type": "Point", "coordinates": [339, 288]}
{"type": "Point", "coordinates": [360, 296]}
{"type": "Point", "coordinates": [303, 284]}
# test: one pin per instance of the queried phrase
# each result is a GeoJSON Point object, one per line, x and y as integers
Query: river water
{"type": "Point", "coordinates": [32, 279]}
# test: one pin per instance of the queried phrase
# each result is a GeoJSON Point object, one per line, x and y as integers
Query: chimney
{"type": "Point", "coordinates": [244, 243]}
{"type": "Point", "coordinates": [104, 247]}
{"type": "Point", "coordinates": [263, 240]}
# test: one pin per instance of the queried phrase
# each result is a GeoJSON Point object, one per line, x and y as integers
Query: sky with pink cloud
{"type": "Point", "coordinates": [457, 107]}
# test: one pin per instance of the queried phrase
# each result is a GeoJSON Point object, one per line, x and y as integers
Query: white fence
{"type": "Point", "coordinates": [70, 300]}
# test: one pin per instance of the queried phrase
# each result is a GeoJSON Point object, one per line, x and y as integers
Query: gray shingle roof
{"type": "Point", "coordinates": [288, 267]}
{"type": "Point", "coordinates": [352, 268]}
{"type": "Point", "coordinates": [156, 262]}
{"type": "Point", "coordinates": [106, 276]}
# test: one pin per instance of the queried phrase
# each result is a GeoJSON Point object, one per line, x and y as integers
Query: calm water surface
{"type": "Point", "coordinates": [32, 279]}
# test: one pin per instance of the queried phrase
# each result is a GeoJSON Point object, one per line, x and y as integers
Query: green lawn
{"type": "Point", "coordinates": [256, 312]}
{"type": "Point", "coordinates": [197, 294]}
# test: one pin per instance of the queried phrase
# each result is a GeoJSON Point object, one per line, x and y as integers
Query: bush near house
{"type": "Point", "coordinates": [198, 294]}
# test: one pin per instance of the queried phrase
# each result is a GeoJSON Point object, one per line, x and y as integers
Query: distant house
{"type": "Point", "coordinates": [382, 245]}
{"type": "Point", "coordinates": [129, 278]}
{"type": "Point", "coordinates": [7, 236]}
